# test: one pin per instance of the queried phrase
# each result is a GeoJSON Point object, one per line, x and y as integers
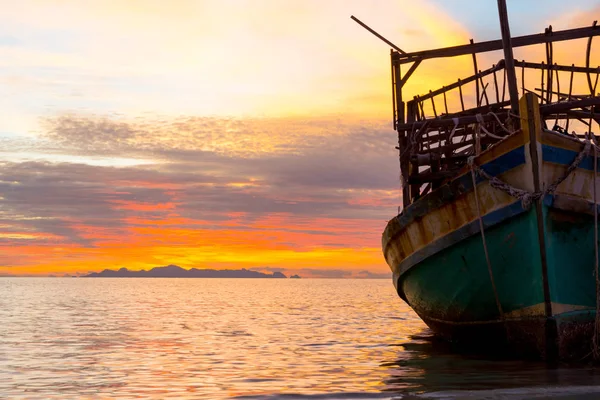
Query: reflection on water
{"type": "Point", "coordinates": [223, 338]}
{"type": "Point", "coordinates": [436, 367]}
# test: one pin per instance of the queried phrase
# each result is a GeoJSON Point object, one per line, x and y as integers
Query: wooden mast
{"type": "Point", "coordinates": [508, 57]}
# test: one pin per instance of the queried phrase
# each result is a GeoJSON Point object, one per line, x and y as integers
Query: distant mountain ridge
{"type": "Point", "coordinates": [175, 271]}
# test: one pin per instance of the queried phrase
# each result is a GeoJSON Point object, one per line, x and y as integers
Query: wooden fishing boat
{"type": "Point", "coordinates": [497, 240]}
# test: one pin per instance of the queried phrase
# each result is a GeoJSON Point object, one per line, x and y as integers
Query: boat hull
{"type": "Point", "coordinates": [542, 301]}
{"type": "Point", "coordinates": [525, 337]}
{"type": "Point", "coordinates": [452, 292]}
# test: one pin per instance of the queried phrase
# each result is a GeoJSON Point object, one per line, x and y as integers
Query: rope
{"type": "Point", "coordinates": [455, 120]}
{"type": "Point", "coordinates": [501, 124]}
{"type": "Point", "coordinates": [485, 249]}
{"type": "Point", "coordinates": [413, 137]}
{"type": "Point", "coordinates": [480, 125]}
{"type": "Point", "coordinates": [572, 167]}
{"type": "Point", "coordinates": [526, 197]}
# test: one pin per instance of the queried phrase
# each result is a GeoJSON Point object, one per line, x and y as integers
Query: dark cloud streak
{"type": "Point", "coordinates": [205, 168]}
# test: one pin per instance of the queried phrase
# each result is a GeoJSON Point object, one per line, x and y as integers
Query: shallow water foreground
{"type": "Point", "coordinates": [250, 338]}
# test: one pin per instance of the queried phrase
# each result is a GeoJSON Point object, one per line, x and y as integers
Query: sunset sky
{"type": "Point", "coordinates": [217, 134]}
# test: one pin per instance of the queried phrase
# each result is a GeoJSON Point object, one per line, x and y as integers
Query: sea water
{"type": "Point", "coordinates": [72, 338]}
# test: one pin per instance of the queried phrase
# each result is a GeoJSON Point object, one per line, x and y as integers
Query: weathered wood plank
{"type": "Point", "coordinates": [492, 45]}
{"type": "Point", "coordinates": [461, 82]}
{"type": "Point", "coordinates": [462, 120]}
{"type": "Point", "coordinates": [568, 105]}
{"type": "Point", "coordinates": [557, 67]}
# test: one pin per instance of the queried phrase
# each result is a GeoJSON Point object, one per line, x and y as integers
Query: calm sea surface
{"type": "Point", "coordinates": [245, 338]}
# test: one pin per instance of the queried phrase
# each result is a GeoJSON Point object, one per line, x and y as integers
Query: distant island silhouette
{"type": "Point", "coordinates": [175, 271]}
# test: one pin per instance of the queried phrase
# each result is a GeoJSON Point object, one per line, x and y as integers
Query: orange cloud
{"type": "Point", "coordinates": [265, 243]}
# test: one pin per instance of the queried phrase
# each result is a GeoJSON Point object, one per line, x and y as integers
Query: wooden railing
{"type": "Point", "coordinates": [437, 137]}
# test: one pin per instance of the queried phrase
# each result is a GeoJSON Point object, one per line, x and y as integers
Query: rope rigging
{"type": "Point", "coordinates": [526, 197]}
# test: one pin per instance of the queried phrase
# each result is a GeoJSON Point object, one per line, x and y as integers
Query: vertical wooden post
{"type": "Point", "coordinates": [542, 73]}
{"type": "Point", "coordinates": [395, 116]}
{"type": "Point", "coordinates": [445, 103]}
{"type": "Point", "coordinates": [496, 87]}
{"type": "Point", "coordinates": [402, 135]}
{"type": "Point", "coordinates": [411, 112]}
{"type": "Point", "coordinates": [508, 56]}
{"type": "Point", "coordinates": [462, 101]}
{"type": "Point", "coordinates": [549, 57]}
{"type": "Point", "coordinates": [476, 80]}
{"type": "Point", "coordinates": [531, 124]}
{"type": "Point", "coordinates": [398, 90]}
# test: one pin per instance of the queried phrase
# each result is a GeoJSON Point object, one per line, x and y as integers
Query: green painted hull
{"type": "Point", "coordinates": [454, 284]}
{"type": "Point", "coordinates": [571, 257]}
{"type": "Point", "coordinates": [452, 291]}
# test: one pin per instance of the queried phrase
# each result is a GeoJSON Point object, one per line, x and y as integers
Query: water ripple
{"type": "Point", "coordinates": [220, 338]}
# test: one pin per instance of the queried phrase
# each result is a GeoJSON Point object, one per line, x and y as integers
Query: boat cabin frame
{"type": "Point", "coordinates": [435, 141]}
